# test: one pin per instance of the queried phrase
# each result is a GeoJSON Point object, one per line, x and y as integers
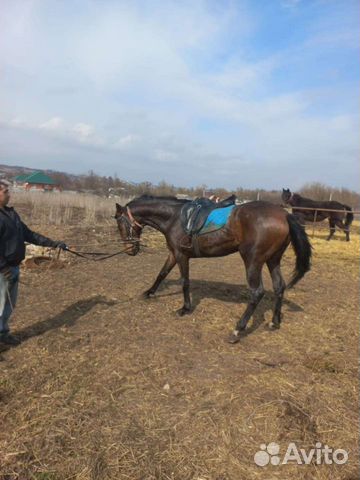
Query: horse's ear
{"type": "Point", "coordinates": [119, 208]}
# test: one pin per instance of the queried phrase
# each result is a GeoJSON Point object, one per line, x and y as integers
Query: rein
{"type": "Point", "coordinates": [104, 255]}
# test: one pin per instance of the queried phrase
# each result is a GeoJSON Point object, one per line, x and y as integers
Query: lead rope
{"type": "Point", "coordinates": [79, 254]}
{"type": "Point", "coordinates": [89, 255]}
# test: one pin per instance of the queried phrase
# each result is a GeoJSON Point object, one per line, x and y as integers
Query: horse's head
{"type": "Point", "coordinates": [129, 228]}
{"type": "Point", "coordinates": [286, 195]}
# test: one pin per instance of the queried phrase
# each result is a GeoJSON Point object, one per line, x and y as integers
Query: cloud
{"type": "Point", "coordinates": [56, 127]}
{"type": "Point", "coordinates": [55, 124]}
{"type": "Point", "coordinates": [127, 141]}
{"type": "Point", "coordinates": [80, 132]}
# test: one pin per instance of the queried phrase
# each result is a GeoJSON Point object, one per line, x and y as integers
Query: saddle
{"type": "Point", "coordinates": [195, 213]}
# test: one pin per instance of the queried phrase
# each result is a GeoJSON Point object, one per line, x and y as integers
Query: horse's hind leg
{"type": "Point", "coordinates": [279, 287]}
{"type": "Point", "coordinates": [332, 228]}
{"type": "Point", "coordinates": [339, 223]}
{"type": "Point", "coordinates": [347, 232]}
{"type": "Point", "coordinates": [253, 273]}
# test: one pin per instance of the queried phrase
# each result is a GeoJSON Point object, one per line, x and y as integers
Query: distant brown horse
{"type": "Point", "coordinates": [316, 214]}
{"type": "Point", "coordinates": [259, 231]}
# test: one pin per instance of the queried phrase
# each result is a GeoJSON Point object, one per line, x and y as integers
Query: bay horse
{"type": "Point", "coordinates": [259, 231]}
{"type": "Point", "coordinates": [318, 215]}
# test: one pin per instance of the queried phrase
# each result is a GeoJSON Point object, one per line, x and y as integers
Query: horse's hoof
{"type": "Point", "coordinates": [148, 294]}
{"type": "Point", "coordinates": [183, 311]}
{"type": "Point", "coordinates": [274, 326]}
{"type": "Point", "coordinates": [234, 337]}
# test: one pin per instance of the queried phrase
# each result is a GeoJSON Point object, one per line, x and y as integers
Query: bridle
{"type": "Point", "coordinates": [132, 223]}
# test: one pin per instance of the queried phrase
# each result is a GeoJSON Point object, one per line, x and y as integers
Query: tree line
{"type": "Point", "coordinates": [105, 185]}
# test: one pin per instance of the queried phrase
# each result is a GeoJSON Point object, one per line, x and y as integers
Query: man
{"type": "Point", "coordinates": [13, 235]}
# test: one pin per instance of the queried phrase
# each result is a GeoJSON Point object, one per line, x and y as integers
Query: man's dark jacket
{"type": "Point", "coordinates": [13, 234]}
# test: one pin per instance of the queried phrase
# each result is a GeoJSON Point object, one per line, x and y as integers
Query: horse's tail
{"type": "Point", "coordinates": [349, 216]}
{"type": "Point", "coordinates": [302, 248]}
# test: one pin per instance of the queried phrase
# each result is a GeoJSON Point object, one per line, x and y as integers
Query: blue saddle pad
{"type": "Point", "coordinates": [216, 219]}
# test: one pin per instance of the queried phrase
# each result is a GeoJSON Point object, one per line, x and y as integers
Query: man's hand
{"type": "Point", "coordinates": [62, 246]}
{"type": "Point", "coordinates": [7, 273]}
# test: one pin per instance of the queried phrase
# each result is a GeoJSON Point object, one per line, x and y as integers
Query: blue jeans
{"type": "Point", "coordinates": [8, 288]}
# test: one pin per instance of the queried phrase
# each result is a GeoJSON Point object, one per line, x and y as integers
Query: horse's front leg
{"type": "Point", "coordinates": [183, 263]}
{"type": "Point", "coordinates": [332, 228]}
{"type": "Point", "coordinates": [164, 272]}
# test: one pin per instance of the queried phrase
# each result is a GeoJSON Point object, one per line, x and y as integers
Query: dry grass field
{"type": "Point", "coordinates": [66, 208]}
{"type": "Point", "coordinates": [107, 386]}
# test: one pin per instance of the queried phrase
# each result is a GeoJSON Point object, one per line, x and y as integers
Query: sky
{"type": "Point", "coordinates": [246, 93]}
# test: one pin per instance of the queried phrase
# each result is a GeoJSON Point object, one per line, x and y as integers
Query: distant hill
{"type": "Point", "coordinates": [10, 171]}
